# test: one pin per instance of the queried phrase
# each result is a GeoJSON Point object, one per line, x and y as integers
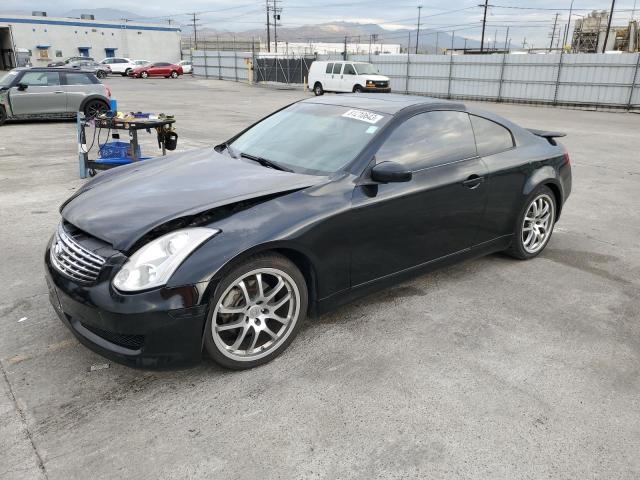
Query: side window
{"type": "Point", "coordinates": [349, 70]}
{"type": "Point", "coordinates": [78, 79]}
{"type": "Point", "coordinates": [337, 67]}
{"type": "Point", "coordinates": [329, 68]}
{"type": "Point", "coordinates": [41, 79]}
{"type": "Point", "coordinates": [491, 137]}
{"type": "Point", "coordinates": [430, 139]}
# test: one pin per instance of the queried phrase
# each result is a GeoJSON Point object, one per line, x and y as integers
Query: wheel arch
{"type": "Point", "coordinates": [301, 259]}
{"type": "Point", "coordinates": [547, 177]}
{"type": "Point", "coordinates": [90, 98]}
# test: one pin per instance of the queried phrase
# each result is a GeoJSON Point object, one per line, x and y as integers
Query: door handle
{"type": "Point", "coordinates": [473, 181]}
{"type": "Point", "coordinates": [58, 91]}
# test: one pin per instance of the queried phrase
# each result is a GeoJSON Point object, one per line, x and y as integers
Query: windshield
{"type": "Point", "coordinates": [7, 79]}
{"type": "Point", "coordinates": [365, 69]}
{"type": "Point", "coordinates": [311, 138]}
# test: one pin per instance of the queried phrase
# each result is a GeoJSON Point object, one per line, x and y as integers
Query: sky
{"type": "Point", "coordinates": [532, 20]}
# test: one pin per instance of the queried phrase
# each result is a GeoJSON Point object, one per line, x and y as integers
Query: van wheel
{"type": "Point", "coordinates": [357, 89]}
{"type": "Point", "coordinates": [317, 89]}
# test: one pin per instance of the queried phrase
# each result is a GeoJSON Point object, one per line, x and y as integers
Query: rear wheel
{"type": "Point", "coordinates": [93, 108]}
{"type": "Point", "coordinates": [126, 72]}
{"type": "Point", "coordinates": [101, 74]}
{"type": "Point", "coordinates": [256, 311]}
{"type": "Point", "coordinates": [317, 89]}
{"type": "Point", "coordinates": [174, 74]}
{"type": "Point", "coordinates": [144, 75]}
{"type": "Point", "coordinates": [534, 225]}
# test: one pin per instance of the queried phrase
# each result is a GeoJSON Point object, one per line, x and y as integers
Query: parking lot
{"type": "Point", "coordinates": [491, 369]}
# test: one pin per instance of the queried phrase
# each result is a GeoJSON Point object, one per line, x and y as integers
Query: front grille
{"type": "Point", "coordinates": [381, 84]}
{"type": "Point", "coordinates": [132, 342]}
{"type": "Point", "coordinates": [73, 260]}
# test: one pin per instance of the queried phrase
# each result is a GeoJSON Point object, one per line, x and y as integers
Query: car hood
{"type": "Point", "coordinates": [377, 78]}
{"type": "Point", "coordinates": [122, 205]}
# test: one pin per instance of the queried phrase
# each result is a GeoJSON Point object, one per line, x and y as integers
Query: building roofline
{"type": "Point", "coordinates": [77, 22]}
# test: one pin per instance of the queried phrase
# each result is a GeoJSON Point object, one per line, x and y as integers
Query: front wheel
{"type": "Point", "coordinates": [3, 115]}
{"type": "Point", "coordinates": [144, 75]}
{"type": "Point", "coordinates": [534, 225]}
{"type": "Point", "coordinates": [357, 89]}
{"type": "Point", "coordinates": [174, 74]}
{"type": "Point", "coordinates": [256, 311]}
{"type": "Point", "coordinates": [101, 74]}
{"type": "Point", "coordinates": [317, 89]}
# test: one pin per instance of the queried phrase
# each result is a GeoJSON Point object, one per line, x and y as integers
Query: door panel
{"type": "Point", "coordinates": [401, 225]}
{"type": "Point", "coordinates": [43, 95]}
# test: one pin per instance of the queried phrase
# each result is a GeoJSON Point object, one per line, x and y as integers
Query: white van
{"type": "Point", "coordinates": [342, 76]}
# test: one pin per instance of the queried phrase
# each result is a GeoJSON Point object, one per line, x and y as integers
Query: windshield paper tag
{"type": "Point", "coordinates": [363, 116]}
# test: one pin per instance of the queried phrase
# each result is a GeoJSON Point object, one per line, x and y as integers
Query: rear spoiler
{"type": "Point", "coordinates": [549, 136]}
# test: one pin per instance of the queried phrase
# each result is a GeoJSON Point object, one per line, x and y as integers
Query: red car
{"type": "Point", "coordinates": [157, 69]}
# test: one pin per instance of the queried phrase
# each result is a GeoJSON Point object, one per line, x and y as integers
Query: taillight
{"type": "Point", "coordinates": [108, 91]}
{"type": "Point", "coordinates": [567, 160]}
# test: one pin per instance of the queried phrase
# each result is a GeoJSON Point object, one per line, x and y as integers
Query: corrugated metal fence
{"type": "Point", "coordinates": [601, 80]}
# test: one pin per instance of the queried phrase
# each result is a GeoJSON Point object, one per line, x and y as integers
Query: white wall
{"type": "Point", "coordinates": [134, 40]}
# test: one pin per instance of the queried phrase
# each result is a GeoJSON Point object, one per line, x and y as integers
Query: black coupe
{"type": "Point", "coordinates": [227, 249]}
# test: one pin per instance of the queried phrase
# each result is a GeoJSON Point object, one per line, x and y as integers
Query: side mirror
{"type": "Point", "coordinates": [22, 86]}
{"type": "Point", "coordinates": [390, 172]}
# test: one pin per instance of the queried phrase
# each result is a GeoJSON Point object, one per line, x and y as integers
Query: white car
{"type": "Point", "coordinates": [139, 63]}
{"type": "Point", "coordinates": [186, 65]}
{"type": "Point", "coordinates": [345, 76]}
{"type": "Point", "coordinates": [119, 65]}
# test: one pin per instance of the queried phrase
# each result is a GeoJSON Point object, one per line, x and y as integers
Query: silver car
{"type": "Point", "coordinates": [51, 92]}
{"type": "Point", "coordinates": [99, 70]}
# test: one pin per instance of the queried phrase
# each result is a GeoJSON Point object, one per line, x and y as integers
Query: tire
{"type": "Point", "coordinates": [174, 74]}
{"type": "Point", "coordinates": [126, 72]}
{"type": "Point", "coordinates": [317, 89]}
{"type": "Point", "coordinates": [3, 115]}
{"type": "Point", "coordinates": [527, 242]}
{"type": "Point", "coordinates": [144, 75]}
{"type": "Point", "coordinates": [249, 309]}
{"type": "Point", "coordinates": [101, 74]}
{"type": "Point", "coordinates": [357, 89]}
{"type": "Point", "coordinates": [94, 108]}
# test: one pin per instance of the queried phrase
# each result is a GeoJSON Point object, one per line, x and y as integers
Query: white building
{"type": "Point", "coordinates": [47, 39]}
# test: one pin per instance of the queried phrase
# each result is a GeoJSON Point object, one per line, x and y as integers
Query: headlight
{"type": "Point", "coordinates": [152, 265]}
{"type": "Point", "coordinates": [370, 83]}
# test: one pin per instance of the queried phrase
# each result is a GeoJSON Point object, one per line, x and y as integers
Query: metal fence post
{"type": "Point", "coordinates": [219, 64]}
{"type": "Point", "coordinates": [555, 95]}
{"type": "Point", "coordinates": [206, 67]}
{"type": "Point", "coordinates": [450, 76]}
{"type": "Point", "coordinates": [235, 59]}
{"type": "Point", "coordinates": [633, 82]}
{"type": "Point", "coordinates": [504, 61]}
{"type": "Point", "coordinates": [406, 81]}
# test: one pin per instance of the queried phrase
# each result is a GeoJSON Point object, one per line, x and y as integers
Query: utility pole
{"type": "Point", "coordinates": [606, 35]}
{"type": "Point", "coordinates": [506, 38]}
{"type": "Point", "coordinates": [344, 52]}
{"type": "Point", "coordinates": [195, 31]}
{"type": "Point", "coordinates": [418, 32]}
{"type": "Point", "coordinates": [484, 23]}
{"type": "Point", "coordinates": [276, 17]}
{"type": "Point", "coordinates": [495, 39]}
{"type": "Point", "coordinates": [566, 31]}
{"type": "Point", "coordinates": [268, 28]}
{"type": "Point", "coordinates": [553, 33]}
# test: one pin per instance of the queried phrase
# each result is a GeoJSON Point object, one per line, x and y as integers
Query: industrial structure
{"type": "Point", "coordinates": [590, 34]}
{"type": "Point", "coordinates": [39, 39]}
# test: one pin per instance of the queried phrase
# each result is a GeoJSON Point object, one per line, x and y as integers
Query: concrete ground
{"type": "Point", "coordinates": [492, 369]}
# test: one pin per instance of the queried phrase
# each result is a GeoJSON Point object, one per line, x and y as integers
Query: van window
{"type": "Point", "coordinates": [337, 67]}
{"type": "Point", "coordinates": [329, 68]}
{"type": "Point", "coordinates": [349, 70]}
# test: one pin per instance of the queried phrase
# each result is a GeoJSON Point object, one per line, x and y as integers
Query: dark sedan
{"type": "Point", "coordinates": [229, 249]}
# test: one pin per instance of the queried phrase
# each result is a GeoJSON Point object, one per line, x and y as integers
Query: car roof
{"type": "Point", "coordinates": [390, 103]}
{"type": "Point", "coordinates": [49, 69]}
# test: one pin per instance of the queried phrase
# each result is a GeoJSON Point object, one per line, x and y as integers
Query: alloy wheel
{"type": "Point", "coordinates": [95, 108]}
{"type": "Point", "coordinates": [538, 223]}
{"type": "Point", "coordinates": [255, 314]}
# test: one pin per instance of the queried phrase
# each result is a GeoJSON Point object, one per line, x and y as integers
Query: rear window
{"type": "Point", "coordinates": [79, 79]}
{"type": "Point", "coordinates": [491, 137]}
{"type": "Point", "coordinates": [329, 68]}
